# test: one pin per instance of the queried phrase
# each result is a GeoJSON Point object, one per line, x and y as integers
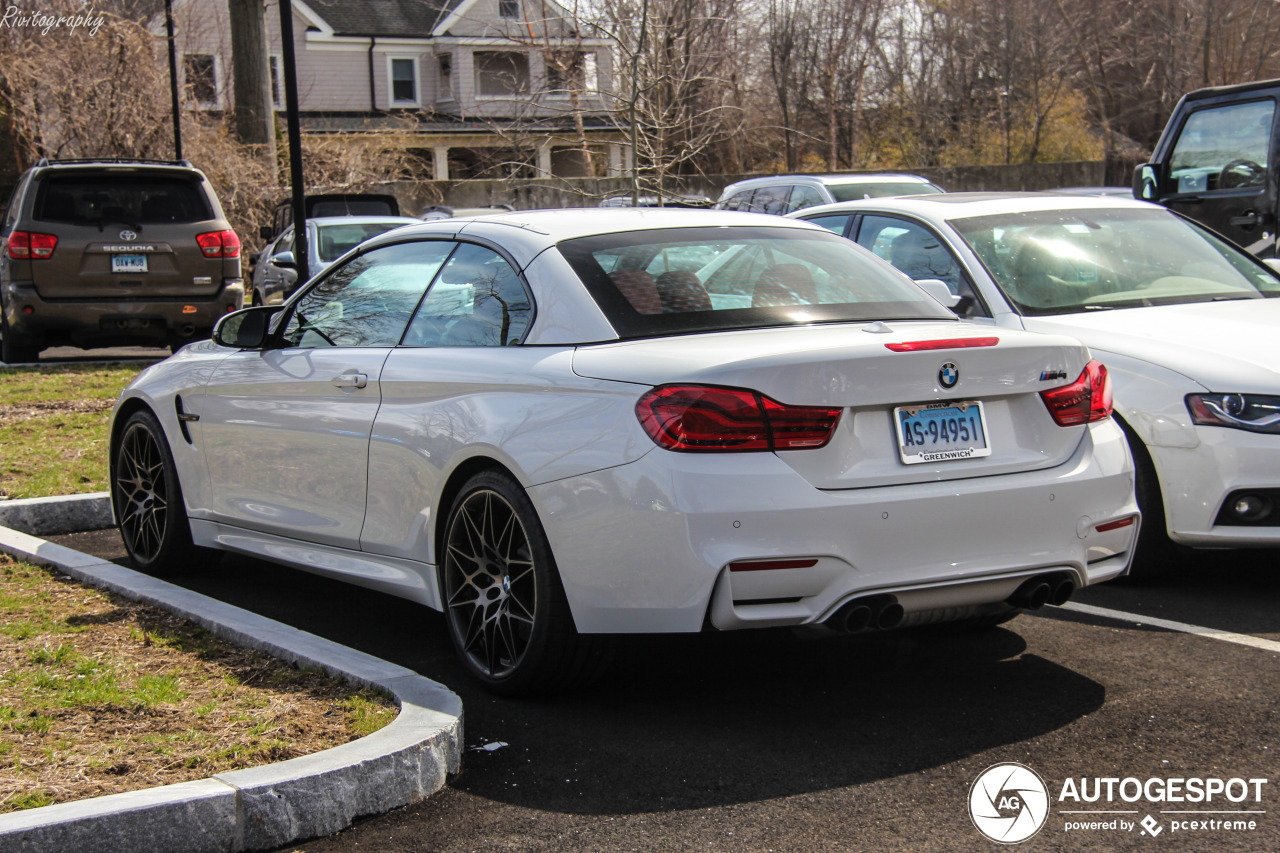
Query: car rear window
{"type": "Point", "coordinates": [680, 280]}
{"type": "Point", "coordinates": [121, 199]}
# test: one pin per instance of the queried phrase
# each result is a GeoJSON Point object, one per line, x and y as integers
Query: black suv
{"type": "Point", "coordinates": [112, 252]}
{"type": "Point", "coordinates": [1216, 163]}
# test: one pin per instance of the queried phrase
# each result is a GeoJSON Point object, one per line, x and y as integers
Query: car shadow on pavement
{"type": "Point", "coordinates": [691, 721]}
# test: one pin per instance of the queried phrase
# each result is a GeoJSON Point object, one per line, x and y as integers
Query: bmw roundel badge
{"type": "Point", "coordinates": [949, 375]}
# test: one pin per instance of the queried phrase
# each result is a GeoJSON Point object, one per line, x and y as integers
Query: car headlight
{"type": "Point", "coordinates": [1252, 412]}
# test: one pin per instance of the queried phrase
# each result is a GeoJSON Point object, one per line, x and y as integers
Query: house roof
{"type": "Point", "coordinates": [400, 18]}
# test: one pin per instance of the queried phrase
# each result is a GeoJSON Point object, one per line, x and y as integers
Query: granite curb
{"type": "Point", "coordinates": [255, 808]}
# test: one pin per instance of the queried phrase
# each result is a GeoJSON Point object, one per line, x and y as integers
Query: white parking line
{"type": "Point", "coordinates": [1169, 624]}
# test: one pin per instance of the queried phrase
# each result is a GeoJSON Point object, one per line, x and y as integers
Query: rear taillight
{"type": "Point", "coordinates": [1084, 401]}
{"type": "Point", "coordinates": [219, 244]}
{"type": "Point", "coordinates": [29, 246]}
{"type": "Point", "coordinates": [706, 419]}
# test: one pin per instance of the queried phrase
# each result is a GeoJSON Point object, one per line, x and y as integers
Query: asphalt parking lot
{"type": "Point", "coordinates": [760, 741]}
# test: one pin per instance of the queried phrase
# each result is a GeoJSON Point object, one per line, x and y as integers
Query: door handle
{"type": "Point", "coordinates": [1249, 219]}
{"type": "Point", "coordinates": [350, 380]}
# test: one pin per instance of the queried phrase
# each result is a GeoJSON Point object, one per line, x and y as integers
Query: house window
{"type": "Point", "coordinates": [404, 81]}
{"type": "Point", "coordinates": [509, 8]}
{"type": "Point", "coordinates": [501, 72]}
{"type": "Point", "coordinates": [276, 65]}
{"type": "Point", "coordinates": [446, 75]}
{"type": "Point", "coordinates": [200, 72]}
{"type": "Point", "coordinates": [569, 70]}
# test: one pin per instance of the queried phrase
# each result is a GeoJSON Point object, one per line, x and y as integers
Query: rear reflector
{"type": "Point", "coordinates": [949, 343]}
{"type": "Point", "coordinates": [1114, 525]}
{"type": "Point", "coordinates": [770, 565]}
{"type": "Point", "coordinates": [29, 246]}
{"type": "Point", "coordinates": [708, 419]}
{"type": "Point", "coordinates": [1084, 401]}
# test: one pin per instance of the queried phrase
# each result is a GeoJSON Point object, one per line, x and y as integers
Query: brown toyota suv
{"type": "Point", "coordinates": [114, 252]}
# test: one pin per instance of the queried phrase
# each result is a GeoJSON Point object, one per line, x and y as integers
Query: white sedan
{"type": "Point", "coordinates": [1187, 323]}
{"type": "Point", "coordinates": [558, 425]}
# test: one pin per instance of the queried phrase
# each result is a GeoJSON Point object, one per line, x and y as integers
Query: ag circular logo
{"type": "Point", "coordinates": [1008, 803]}
{"type": "Point", "coordinates": [949, 375]}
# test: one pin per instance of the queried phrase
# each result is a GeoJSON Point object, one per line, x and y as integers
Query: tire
{"type": "Point", "coordinates": [148, 501]}
{"type": "Point", "coordinates": [1155, 553]}
{"type": "Point", "coordinates": [12, 352]}
{"type": "Point", "coordinates": [503, 600]}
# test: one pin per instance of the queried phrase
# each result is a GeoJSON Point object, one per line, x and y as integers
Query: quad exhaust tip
{"type": "Point", "coordinates": [875, 612]}
{"type": "Point", "coordinates": [1034, 593]}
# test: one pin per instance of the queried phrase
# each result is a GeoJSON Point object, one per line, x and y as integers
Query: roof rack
{"type": "Point", "coordinates": [45, 161]}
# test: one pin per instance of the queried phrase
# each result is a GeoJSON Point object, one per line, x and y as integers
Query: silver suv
{"type": "Point", "coordinates": [783, 194]}
{"type": "Point", "coordinates": [111, 252]}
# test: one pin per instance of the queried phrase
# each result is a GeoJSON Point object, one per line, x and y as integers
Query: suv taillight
{"type": "Point", "coordinates": [1084, 401]}
{"type": "Point", "coordinates": [706, 419]}
{"type": "Point", "coordinates": [29, 246]}
{"type": "Point", "coordinates": [219, 244]}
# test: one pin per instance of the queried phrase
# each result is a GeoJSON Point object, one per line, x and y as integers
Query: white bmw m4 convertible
{"type": "Point", "coordinates": [559, 425]}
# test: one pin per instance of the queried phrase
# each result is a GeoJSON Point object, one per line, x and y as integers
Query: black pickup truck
{"type": "Point", "coordinates": [1215, 163]}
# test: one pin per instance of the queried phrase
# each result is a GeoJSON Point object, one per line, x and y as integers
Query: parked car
{"type": "Point", "coordinates": [626, 199]}
{"type": "Point", "coordinates": [107, 252]}
{"type": "Point", "coordinates": [444, 211]}
{"type": "Point", "coordinates": [1213, 163]}
{"type": "Point", "coordinates": [1186, 322]}
{"type": "Point", "coordinates": [532, 422]}
{"type": "Point", "coordinates": [275, 275]}
{"type": "Point", "coordinates": [331, 204]}
{"type": "Point", "coordinates": [784, 194]}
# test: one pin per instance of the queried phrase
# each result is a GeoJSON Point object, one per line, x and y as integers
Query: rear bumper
{"type": "Point", "coordinates": [33, 320]}
{"type": "Point", "coordinates": [647, 547]}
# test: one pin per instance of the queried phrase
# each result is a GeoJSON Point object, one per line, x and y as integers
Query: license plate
{"type": "Point", "coordinates": [940, 432]}
{"type": "Point", "coordinates": [129, 263]}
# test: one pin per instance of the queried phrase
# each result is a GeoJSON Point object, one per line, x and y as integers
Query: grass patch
{"type": "Point", "coordinates": [99, 694]}
{"type": "Point", "coordinates": [53, 428]}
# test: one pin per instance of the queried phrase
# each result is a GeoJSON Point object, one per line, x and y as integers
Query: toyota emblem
{"type": "Point", "coordinates": [949, 375]}
{"type": "Point", "coordinates": [128, 235]}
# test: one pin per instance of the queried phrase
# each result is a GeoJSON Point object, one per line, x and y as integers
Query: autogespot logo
{"type": "Point", "coordinates": [1008, 803]}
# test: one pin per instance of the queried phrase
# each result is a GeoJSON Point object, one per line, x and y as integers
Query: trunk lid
{"type": "Point", "coordinates": [851, 367]}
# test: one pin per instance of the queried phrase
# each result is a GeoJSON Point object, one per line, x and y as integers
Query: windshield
{"type": "Point", "coordinates": [336, 240]}
{"type": "Point", "coordinates": [1066, 261]}
{"type": "Point", "coordinates": [880, 189]}
{"type": "Point", "coordinates": [706, 279]}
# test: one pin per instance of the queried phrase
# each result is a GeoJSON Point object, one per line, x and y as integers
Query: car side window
{"type": "Point", "coordinates": [738, 201]}
{"type": "Point", "coordinates": [477, 300]}
{"type": "Point", "coordinates": [835, 223]}
{"type": "Point", "coordinates": [1223, 148]}
{"type": "Point", "coordinates": [366, 302]}
{"type": "Point", "coordinates": [771, 200]}
{"type": "Point", "coordinates": [918, 252]}
{"type": "Point", "coordinates": [15, 201]}
{"type": "Point", "coordinates": [803, 196]}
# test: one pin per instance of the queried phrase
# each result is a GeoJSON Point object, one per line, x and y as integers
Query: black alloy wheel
{"type": "Point", "coordinates": [503, 601]}
{"type": "Point", "coordinates": [148, 499]}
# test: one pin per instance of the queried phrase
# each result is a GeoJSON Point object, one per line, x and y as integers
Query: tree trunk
{"type": "Point", "coordinates": [254, 117]}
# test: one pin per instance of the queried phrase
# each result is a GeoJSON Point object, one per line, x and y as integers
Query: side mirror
{"type": "Point", "coordinates": [937, 288]}
{"type": "Point", "coordinates": [246, 328]}
{"type": "Point", "coordinates": [1145, 185]}
{"type": "Point", "coordinates": [285, 259]}
{"type": "Point", "coordinates": [266, 232]}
